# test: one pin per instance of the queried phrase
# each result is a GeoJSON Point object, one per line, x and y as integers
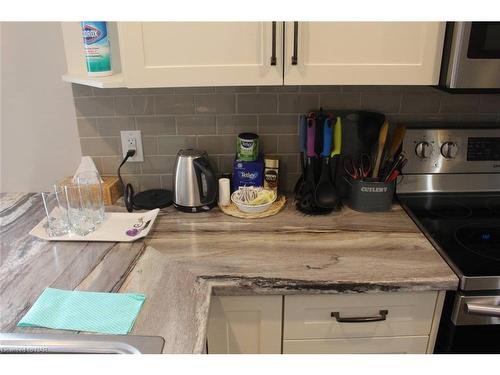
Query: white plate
{"type": "Point", "coordinates": [113, 229]}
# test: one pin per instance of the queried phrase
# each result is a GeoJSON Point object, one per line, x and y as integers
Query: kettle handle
{"type": "Point", "coordinates": [201, 166]}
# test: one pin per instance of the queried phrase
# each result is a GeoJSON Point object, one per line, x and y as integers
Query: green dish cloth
{"type": "Point", "coordinates": [113, 313]}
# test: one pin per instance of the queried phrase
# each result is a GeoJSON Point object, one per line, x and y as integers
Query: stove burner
{"type": "Point", "coordinates": [480, 239]}
{"type": "Point", "coordinates": [450, 211]}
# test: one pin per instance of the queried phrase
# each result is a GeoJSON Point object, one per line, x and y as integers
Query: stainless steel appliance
{"type": "Point", "coordinates": [451, 189]}
{"type": "Point", "coordinates": [471, 58]}
{"type": "Point", "coordinates": [195, 184]}
{"type": "Point", "coordinates": [71, 343]}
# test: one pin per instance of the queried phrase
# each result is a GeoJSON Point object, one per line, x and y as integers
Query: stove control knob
{"type": "Point", "coordinates": [449, 150]}
{"type": "Point", "coordinates": [423, 149]}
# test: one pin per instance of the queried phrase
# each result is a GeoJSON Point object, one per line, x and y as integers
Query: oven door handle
{"type": "Point", "coordinates": [479, 309]}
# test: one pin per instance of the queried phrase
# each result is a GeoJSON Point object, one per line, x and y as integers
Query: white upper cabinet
{"type": "Point", "coordinates": [363, 53]}
{"type": "Point", "coordinates": [156, 54]}
{"type": "Point", "coordinates": [170, 54]}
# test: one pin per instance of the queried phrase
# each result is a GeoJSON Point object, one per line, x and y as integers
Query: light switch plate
{"type": "Point", "coordinates": [131, 139]}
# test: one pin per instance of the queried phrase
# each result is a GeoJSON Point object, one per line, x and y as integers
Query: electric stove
{"type": "Point", "coordinates": [451, 189]}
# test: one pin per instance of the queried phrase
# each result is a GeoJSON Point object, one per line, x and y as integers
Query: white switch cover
{"type": "Point", "coordinates": [131, 139]}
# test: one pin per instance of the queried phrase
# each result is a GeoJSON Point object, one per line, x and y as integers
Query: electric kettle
{"type": "Point", "coordinates": [195, 184]}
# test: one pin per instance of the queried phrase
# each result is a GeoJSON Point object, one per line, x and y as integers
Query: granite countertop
{"type": "Point", "coordinates": [188, 257]}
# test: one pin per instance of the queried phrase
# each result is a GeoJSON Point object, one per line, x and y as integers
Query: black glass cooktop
{"type": "Point", "coordinates": [466, 227]}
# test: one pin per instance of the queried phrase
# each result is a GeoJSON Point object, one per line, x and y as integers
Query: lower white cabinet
{"type": "Point", "coordinates": [245, 325]}
{"type": "Point", "coordinates": [382, 345]}
{"type": "Point", "coordinates": [328, 323]}
{"type": "Point", "coordinates": [311, 317]}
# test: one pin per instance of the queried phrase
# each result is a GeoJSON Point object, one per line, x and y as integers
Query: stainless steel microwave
{"type": "Point", "coordinates": [471, 58]}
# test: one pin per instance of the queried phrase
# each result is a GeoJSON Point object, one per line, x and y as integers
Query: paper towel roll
{"type": "Point", "coordinates": [224, 192]}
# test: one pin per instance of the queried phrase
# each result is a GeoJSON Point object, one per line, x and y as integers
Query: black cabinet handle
{"type": "Point", "coordinates": [273, 53]}
{"type": "Point", "coordinates": [295, 55]}
{"type": "Point", "coordinates": [382, 314]}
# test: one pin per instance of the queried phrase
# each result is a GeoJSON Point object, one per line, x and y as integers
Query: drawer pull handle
{"type": "Point", "coordinates": [382, 314]}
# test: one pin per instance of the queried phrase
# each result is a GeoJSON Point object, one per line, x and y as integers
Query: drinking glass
{"type": "Point", "coordinates": [80, 215]}
{"type": "Point", "coordinates": [56, 209]}
{"type": "Point", "coordinates": [90, 182]}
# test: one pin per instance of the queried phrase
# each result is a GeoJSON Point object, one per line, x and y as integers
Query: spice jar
{"type": "Point", "coordinates": [271, 173]}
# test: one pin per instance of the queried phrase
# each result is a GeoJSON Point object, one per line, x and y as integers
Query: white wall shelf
{"type": "Point", "coordinates": [116, 80]}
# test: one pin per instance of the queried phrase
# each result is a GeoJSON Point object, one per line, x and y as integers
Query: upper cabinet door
{"type": "Point", "coordinates": [364, 53]}
{"type": "Point", "coordinates": [156, 54]}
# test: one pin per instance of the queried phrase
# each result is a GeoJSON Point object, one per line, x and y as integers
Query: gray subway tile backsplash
{"type": "Point", "coordinates": [94, 106]}
{"type": "Point", "coordinates": [134, 105]}
{"type": "Point", "coordinates": [257, 103]}
{"type": "Point", "coordinates": [170, 144]}
{"type": "Point", "coordinates": [217, 103]}
{"type": "Point", "coordinates": [174, 104]}
{"type": "Point", "coordinates": [236, 124]}
{"type": "Point", "coordinates": [419, 102]}
{"type": "Point", "coordinates": [297, 103]}
{"type": "Point", "coordinates": [111, 126]}
{"type": "Point", "coordinates": [279, 124]}
{"type": "Point", "coordinates": [459, 103]}
{"type": "Point", "coordinates": [385, 102]}
{"type": "Point", "coordinates": [103, 146]}
{"type": "Point", "coordinates": [195, 124]}
{"type": "Point", "coordinates": [156, 125]}
{"type": "Point", "coordinates": [210, 118]}
{"type": "Point", "coordinates": [337, 100]}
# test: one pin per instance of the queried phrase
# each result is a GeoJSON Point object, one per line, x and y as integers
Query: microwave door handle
{"type": "Point", "coordinates": [480, 309]}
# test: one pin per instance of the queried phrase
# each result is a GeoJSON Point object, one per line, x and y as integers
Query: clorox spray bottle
{"type": "Point", "coordinates": [97, 51]}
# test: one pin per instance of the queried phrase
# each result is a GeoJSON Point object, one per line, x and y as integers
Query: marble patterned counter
{"type": "Point", "coordinates": [189, 257]}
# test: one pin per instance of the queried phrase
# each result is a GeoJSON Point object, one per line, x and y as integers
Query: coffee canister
{"type": "Point", "coordinates": [271, 173]}
{"type": "Point", "coordinates": [247, 147]}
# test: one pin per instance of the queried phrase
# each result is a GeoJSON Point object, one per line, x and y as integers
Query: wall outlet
{"type": "Point", "coordinates": [132, 140]}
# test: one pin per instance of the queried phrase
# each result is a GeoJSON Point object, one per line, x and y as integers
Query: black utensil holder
{"type": "Point", "coordinates": [368, 195]}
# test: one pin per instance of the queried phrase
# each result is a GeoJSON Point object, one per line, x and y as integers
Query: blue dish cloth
{"type": "Point", "coordinates": [113, 313]}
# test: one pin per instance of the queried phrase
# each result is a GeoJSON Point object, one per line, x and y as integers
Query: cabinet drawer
{"type": "Point", "coordinates": [413, 344]}
{"type": "Point", "coordinates": [310, 317]}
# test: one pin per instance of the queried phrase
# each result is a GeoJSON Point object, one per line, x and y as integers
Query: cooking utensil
{"type": "Point", "coordinates": [311, 136]}
{"type": "Point", "coordinates": [368, 126]}
{"type": "Point", "coordinates": [393, 165]}
{"type": "Point", "coordinates": [380, 148]}
{"type": "Point", "coordinates": [337, 148]}
{"type": "Point", "coordinates": [397, 170]}
{"type": "Point", "coordinates": [358, 169]}
{"type": "Point", "coordinates": [325, 191]}
{"type": "Point", "coordinates": [307, 193]}
{"type": "Point", "coordinates": [303, 151]}
{"type": "Point", "coordinates": [397, 140]}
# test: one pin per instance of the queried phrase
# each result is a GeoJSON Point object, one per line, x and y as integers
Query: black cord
{"type": "Point", "coordinates": [128, 190]}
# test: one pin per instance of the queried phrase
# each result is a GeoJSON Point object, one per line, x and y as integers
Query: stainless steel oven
{"type": "Point", "coordinates": [451, 188]}
{"type": "Point", "coordinates": [471, 58]}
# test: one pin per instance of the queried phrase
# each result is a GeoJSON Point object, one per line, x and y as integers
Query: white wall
{"type": "Point", "coordinates": [39, 136]}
